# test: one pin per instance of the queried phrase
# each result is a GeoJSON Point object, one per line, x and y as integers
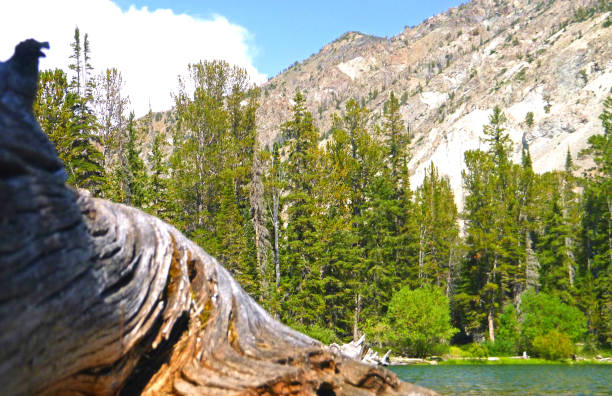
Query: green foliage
{"type": "Point", "coordinates": [318, 332]}
{"type": "Point", "coordinates": [529, 119]}
{"type": "Point", "coordinates": [458, 352]}
{"type": "Point", "coordinates": [553, 345]}
{"type": "Point", "coordinates": [53, 108]}
{"type": "Point", "coordinates": [419, 320]}
{"type": "Point", "coordinates": [302, 266]}
{"type": "Point", "coordinates": [597, 232]}
{"type": "Point", "coordinates": [583, 76]}
{"type": "Point", "coordinates": [582, 14]}
{"type": "Point", "coordinates": [59, 110]}
{"type": "Point", "coordinates": [508, 334]}
{"type": "Point", "coordinates": [211, 163]}
{"type": "Point", "coordinates": [555, 246]}
{"type": "Point", "coordinates": [438, 229]}
{"type": "Point", "coordinates": [541, 313]}
{"type": "Point", "coordinates": [159, 195]}
{"type": "Point", "coordinates": [478, 350]}
{"type": "Point", "coordinates": [136, 180]}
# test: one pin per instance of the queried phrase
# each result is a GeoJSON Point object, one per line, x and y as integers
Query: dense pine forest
{"type": "Point", "coordinates": [325, 230]}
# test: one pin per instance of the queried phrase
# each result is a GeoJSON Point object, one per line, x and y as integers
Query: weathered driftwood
{"type": "Point", "coordinates": [100, 298]}
{"type": "Point", "coordinates": [357, 350]}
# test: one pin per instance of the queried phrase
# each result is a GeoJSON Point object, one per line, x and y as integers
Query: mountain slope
{"type": "Point", "coordinates": [552, 58]}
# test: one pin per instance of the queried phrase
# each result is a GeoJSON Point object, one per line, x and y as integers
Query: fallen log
{"type": "Point", "coordinates": [98, 298]}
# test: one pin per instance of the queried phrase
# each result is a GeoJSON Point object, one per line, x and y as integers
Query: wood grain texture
{"type": "Point", "coordinates": [98, 298]}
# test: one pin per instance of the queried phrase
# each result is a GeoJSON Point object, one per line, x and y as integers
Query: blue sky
{"type": "Point", "coordinates": [287, 31]}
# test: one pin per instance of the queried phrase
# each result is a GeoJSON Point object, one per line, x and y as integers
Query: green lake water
{"type": "Point", "coordinates": [548, 379]}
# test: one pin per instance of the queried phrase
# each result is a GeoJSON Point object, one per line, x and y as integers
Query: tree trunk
{"type": "Point", "coordinates": [262, 244]}
{"type": "Point", "coordinates": [276, 231]}
{"type": "Point", "coordinates": [449, 273]}
{"type": "Point", "coordinates": [101, 299]}
{"type": "Point", "coordinates": [356, 317]}
{"type": "Point", "coordinates": [421, 250]}
{"type": "Point", "coordinates": [490, 318]}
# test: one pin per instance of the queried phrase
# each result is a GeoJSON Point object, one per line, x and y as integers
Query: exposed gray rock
{"type": "Point", "coordinates": [452, 69]}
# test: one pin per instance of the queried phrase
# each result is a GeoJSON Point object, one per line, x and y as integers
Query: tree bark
{"type": "Point", "coordinates": [256, 200]}
{"type": "Point", "coordinates": [490, 318]}
{"type": "Point", "coordinates": [276, 232]}
{"type": "Point", "coordinates": [356, 316]}
{"type": "Point", "coordinates": [99, 298]}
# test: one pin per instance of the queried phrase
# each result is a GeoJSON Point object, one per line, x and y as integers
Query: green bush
{"type": "Point", "coordinates": [478, 350]}
{"type": "Point", "coordinates": [590, 347]}
{"type": "Point", "coordinates": [508, 334]}
{"type": "Point", "coordinates": [419, 321]}
{"type": "Point", "coordinates": [501, 347]}
{"type": "Point", "coordinates": [455, 352]}
{"type": "Point", "coordinates": [529, 119]}
{"type": "Point", "coordinates": [542, 313]}
{"type": "Point", "coordinates": [553, 345]}
{"type": "Point", "coordinates": [323, 334]}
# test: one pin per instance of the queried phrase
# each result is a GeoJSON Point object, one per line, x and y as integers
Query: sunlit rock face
{"type": "Point", "coordinates": [452, 69]}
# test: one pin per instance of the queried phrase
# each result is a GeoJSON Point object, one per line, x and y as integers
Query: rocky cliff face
{"type": "Point", "coordinates": [552, 58]}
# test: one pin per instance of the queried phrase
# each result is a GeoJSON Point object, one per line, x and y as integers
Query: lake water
{"type": "Point", "coordinates": [546, 379]}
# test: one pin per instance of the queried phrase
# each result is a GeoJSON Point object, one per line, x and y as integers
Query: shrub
{"type": "Point", "coordinates": [323, 334]}
{"type": "Point", "coordinates": [455, 352]}
{"type": "Point", "coordinates": [478, 350]}
{"type": "Point", "coordinates": [542, 313]}
{"type": "Point", "coordinates": [501, 347]}
{"type": "Point", "coordinates": [590, 347]}
{"type": "Point", "coordinates": [529, 119]}
{"type": "Point", "coordinates": [553, 345]}
{"type": "Point", "coordinates": [508, 334]}
{"type": "Point", "coordinates": [583, 76]}
{"type": "Point", "coordinates": [419, 320]}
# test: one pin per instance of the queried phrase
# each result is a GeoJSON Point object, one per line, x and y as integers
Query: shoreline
{"type": "Point", "coordinates": [506, 360]}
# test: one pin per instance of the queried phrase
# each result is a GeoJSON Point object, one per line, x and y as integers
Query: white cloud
{"type": "Point", "coordinates": [150, 48]}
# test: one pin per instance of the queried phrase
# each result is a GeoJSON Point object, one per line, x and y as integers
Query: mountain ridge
{"type": "Point", "coordinates": [551, 58]}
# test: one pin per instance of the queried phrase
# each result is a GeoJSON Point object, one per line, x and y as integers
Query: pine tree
{"type": "Point", "coordinates": [341, 257]}
{"type": "Point", "coordinates": [160, 204]}
{"type": "Point", "coordinates": [596, 273]}
{"type": "Point", "coordinates": [212, 165]}
{"type": "Point", "coordinates": [493, 212]}
{"type": "Point", "coordinates": [110, 107]}
{"type": "Point", "coordinates": [478, 294]}
{"type": "Point", "coordinates": [528, 273]}
{"type": "Point", "coordinates": [438, 230]}
{"type": "Point", "coordinates": [303, 271]}
{"type": "Point", "coordinates": [354, 158]}
{"type": "Point", "coordinates": [89, 163]}
{"type": "Point", "coordinates": [55, 108]}
{"type": "Point", "coordinates": [389, 222]}
{"type": "Point", "coordinates": [395, 135]}
{"type": "Point", "coordinates": [556, 245]}
{"type": "Point", "coordinates": [262, 234]}
{"type": "Point", "coordinates": [136, 180]}
{"type": "Point", "coordinates": [275, 186]}
{"type": "Point", "coordinates": [76, 64]}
